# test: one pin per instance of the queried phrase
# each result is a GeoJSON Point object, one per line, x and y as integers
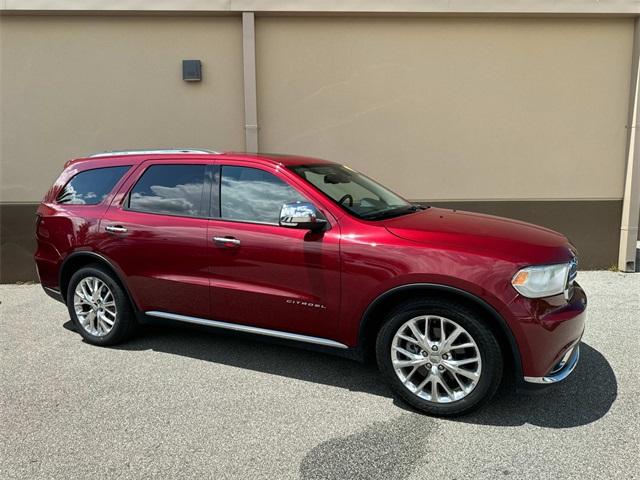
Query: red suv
{"type": "Point", "coordinates": [312, 251]}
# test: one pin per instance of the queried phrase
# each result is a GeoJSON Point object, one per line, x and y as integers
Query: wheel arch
{"type": "Point", "coordinates": [76, 260]}
{"type": "Point", "coordinates": [374, 315]}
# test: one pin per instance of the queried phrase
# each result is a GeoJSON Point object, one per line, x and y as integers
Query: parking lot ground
{"type": "Point", "coordinates": [193, 403]}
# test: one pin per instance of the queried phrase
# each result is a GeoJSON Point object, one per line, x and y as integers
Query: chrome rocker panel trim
{"type": "Point", "coordinates": [53, 293]}
{"type": "Point", "coordinates": [247, 329]}
{"type": "Point", "coordinates": [564, 368]}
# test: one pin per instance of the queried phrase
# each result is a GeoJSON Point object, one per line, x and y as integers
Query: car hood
{"type": "Point", "coordinates": [484, 234]}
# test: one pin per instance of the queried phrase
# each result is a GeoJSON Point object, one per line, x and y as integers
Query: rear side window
{"type": "Point", "coordinates": [91, 186]}
{"type": "Point", "coordinates": [170, 190]}
{"type": "Point", "coordinates": [253, 195]}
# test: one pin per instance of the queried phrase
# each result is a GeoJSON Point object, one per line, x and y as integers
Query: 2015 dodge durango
{"type": "Point", "coordinates": [448, 302]}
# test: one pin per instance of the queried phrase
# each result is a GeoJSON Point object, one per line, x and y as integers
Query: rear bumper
{"type": "Point", "coordinates": [561, 370]}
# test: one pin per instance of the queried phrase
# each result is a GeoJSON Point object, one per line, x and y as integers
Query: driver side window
{"type": "Point", "coordinates": [253, 195]}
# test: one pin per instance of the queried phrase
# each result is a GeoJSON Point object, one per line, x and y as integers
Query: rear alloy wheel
{"type": "Point", "coordinates": [439, 357]}
{"type": "Point", "coordinates": [99, 307]}
{"type": "Point", "coordinates": [95, 306]}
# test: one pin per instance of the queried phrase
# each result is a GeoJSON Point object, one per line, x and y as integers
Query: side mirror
{"type": "Point", "coordinates": [303, 215]}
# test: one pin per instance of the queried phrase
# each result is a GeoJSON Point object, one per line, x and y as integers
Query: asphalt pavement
{"type": "Point", "coordinates": [194, 403]}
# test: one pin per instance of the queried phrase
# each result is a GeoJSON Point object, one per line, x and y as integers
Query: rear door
{"type": "Point", "coordinates": [263, 274]}
{"type": "Point", "coordinates": [156, 233]}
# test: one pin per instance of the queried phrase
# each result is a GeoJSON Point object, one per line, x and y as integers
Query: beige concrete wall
{"type": "Point", "coordinates": [75, 85]}
{"type": "Point", "coordinates": [453, 108]}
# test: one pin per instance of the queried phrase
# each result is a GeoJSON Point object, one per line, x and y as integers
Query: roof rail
{"type": "Point", "coordinates": [153, 152]}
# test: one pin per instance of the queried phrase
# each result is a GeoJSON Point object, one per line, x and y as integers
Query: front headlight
{"type": "Point", "coordinates": [541, 280]}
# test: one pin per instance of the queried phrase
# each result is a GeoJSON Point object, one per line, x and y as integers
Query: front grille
{"type": "Point", "coordinates": [573, 271]}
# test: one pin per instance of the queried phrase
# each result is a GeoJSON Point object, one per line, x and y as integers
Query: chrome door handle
{"type": "Point", "coordinates": [115, 229]}
{"type": "Point", "coordinates": [227, 241]}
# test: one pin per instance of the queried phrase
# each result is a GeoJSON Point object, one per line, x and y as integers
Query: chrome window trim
{"type": "Point", "coordinates": [206, 184]}
{"type": "Point", "coordinates": [125, 174]}
{"type": "Point", "coordinates": [256, 222]}
{"type": "Point", "coordinates": [247, 329]}
{"type": "Point", "coordinates": [267, 224]}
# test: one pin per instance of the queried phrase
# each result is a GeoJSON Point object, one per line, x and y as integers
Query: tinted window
{"type": "Point", "coordinates": [91, 186]}
{"type": "Point", "coordinates": [253, 195]}
{"type": "Point", "coordinates": [171, 190]}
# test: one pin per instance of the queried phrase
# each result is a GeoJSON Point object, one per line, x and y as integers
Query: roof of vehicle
{"type": "Point", "coordinates": [136, 156]}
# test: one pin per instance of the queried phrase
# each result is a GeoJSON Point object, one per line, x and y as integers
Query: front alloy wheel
{"type": "Point", "coordinates": [439, 356]}
{"type": "Point", "coordinates": [436, 359]}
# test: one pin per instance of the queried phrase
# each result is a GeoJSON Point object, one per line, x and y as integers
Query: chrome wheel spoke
{"type": "Point", "coordinates": [434, 389]}
{"type": "Point", "coordinates": [91, 320]}
{"type": "Point", "coordinates": [408, 377]}
{"type": "Point", "coordinates": [447, 341]}
{"type": "Point", "coordinates": [461, 371]}
{"type": "Point", "coordinates": [462, 386]}
{"type": "Point", "coordinates": [462, 345]}
{"type": "Point", "coordinates": [80, 298]}
{"type": "Point", "coordinates": [429, 342]}
{"type": "Point", "coordinates": [104, 326]}
{"type": "Point", "coordinates": [404, 352]}
{"type": "Point", "coordinates": [95, 288]}
{"type": "Point", "coordinates": [407, 363]}
{"type": "Point", "coordinates": [84, 288]}
{"type": "Point", "coordinates": [424, 382]}
{"type": "Point", "coordinates": [410, 339]}
{"type": "Point", "coordinates": [430, 364]}
{"type": "Point", "coordinates": [107, 293]}
{"type": "Point", "coordinates": [413, 359]}
{"type": "Point", "coordinates": [105, 320]}
{"type": "Point", "coordinates": [416, 334]}
{"type": "Point", "coordinates": [459, 363]}
{"type": "Point", "coordinates": [446, 388]}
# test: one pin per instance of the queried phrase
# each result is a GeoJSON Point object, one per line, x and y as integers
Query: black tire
{"type": "Point", "coordinates": [125, 322]}
{"type": "Point", "coordinates": [471, 321]}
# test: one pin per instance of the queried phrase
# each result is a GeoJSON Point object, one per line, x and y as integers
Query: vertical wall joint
{"type": "Point", "coordinates": [249, 76]}
{"type": "Point", "coordinates": [631, 198]}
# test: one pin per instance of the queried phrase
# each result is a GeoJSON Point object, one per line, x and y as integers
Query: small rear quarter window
{"type": "Point", "coordinates": [91, 186]}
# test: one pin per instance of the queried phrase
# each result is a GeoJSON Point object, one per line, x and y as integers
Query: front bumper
{"type": "Point", "coordinates": [548, 332]}
{"type": "Point", "coordinates": [561, 370]}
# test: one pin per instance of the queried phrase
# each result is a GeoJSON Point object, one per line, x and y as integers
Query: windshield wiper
{"type": "Point", "coordinates": [394, 212]}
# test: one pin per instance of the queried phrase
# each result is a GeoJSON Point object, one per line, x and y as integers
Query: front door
{"type": "Point", "coordinates": [266, 275]}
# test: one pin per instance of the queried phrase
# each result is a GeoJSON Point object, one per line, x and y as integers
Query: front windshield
{"type": "Point", "coordinates": [354, 192]}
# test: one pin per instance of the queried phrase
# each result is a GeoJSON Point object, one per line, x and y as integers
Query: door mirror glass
{"type": "Point", "coordinates": [302, 215]}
